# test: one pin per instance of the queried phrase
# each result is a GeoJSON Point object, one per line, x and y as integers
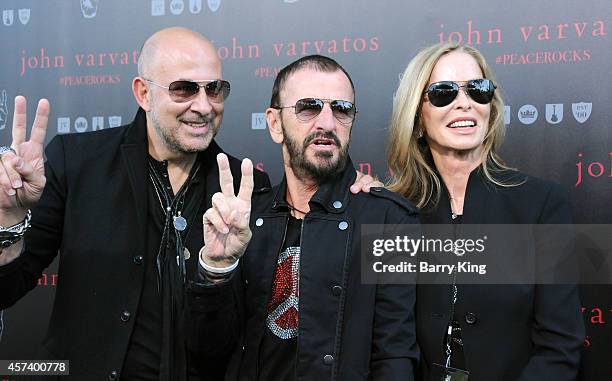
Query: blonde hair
{"type": "Point", "coordinates": [412, 169]}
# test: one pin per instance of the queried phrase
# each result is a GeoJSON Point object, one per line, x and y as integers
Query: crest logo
{"type": "Point", "coordinates": [528, 114]}
{"type": "Point", "coordinates": [582, 111]}
{"type": "Point", "coordinates": [554, 113]}
{"type": "Point", "coordinates": [24, 15]}
{"type": "Point", "coordinates": [8, 16]}
{"type": "Point", "coordinates": [158, 8]}
{"type": "Point", "coordinates": [63, 125]}
{"type": "Point", "coordinates": [195, 6]}
{"type": "Point", "coordinates": [89, 8]}
{"type": "Point", "coordinates": [213, 5]}
{"type": "Point", "coordinates": [177, 7]}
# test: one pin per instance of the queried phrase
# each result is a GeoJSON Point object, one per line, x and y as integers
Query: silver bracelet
{"type": "Point", "coordinates": [216, 270]}
{"type": "Point", "coordinates": [12, 234]}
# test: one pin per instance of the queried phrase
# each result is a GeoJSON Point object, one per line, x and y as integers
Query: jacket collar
{"type": "Point", "coordinates": [331, 197]}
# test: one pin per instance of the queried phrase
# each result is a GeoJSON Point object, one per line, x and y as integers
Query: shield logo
{"type": "Point", "coordinates": [177, 7]}
{"type": "Point", "coordinates": [7, 17]}
{"type": "Point", "coordinates": [24, 15]}
{"type": "Point", "coordinates": [554, 113]}
{"type": "Point", "coordinates": [195, 6]}
{"type": "Point", "coordinates": [582, 111]}
{"type": "Point", "coordinates": [89, 8]}
{"type": "Point", "coordinates": [213, 5]}
{"type": "Point", "coordinates": [114, 121]}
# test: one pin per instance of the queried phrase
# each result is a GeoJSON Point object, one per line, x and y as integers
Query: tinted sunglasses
{"type": "Point", "coordinates": [443, 93]}
{"type": "Point", "coordinates": [182, 91]}
{"type": "Point", "coordinates": [308, 108]}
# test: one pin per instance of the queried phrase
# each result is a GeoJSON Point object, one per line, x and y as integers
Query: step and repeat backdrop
{"type": "Point", "coordinates": [552, 59]}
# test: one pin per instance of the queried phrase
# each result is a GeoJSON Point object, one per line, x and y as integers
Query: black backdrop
{"type": "Point", "coordinates": [552, 59]}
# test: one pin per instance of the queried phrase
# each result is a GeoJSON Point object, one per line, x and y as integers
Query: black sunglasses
{"type": "Point", "coordinates": [217, 90]}
{"type": "Point", "coordinates": [308, 108]}
{"type": "Point", "coordinates": [443, 93]}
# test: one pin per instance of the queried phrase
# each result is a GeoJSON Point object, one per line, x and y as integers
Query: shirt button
{"type": "Point", "coordinates": [328, 359]}
{"type": "Point", "coordinates": [125, 316]}
{"type": "Point", "coordinates": [470, 318]}
{"type": "Point", "coordinates": [337, 204]}
{"type": "Point", "coordinates": [337, 290]}
{"type": "Point", "coordinates": [113, 375]}
{"type": "Point", "coordinates": [259, 222]}
{"type": "Point", "coordinates": [138, 260]}
{"type": "Point", "coordinates": [343, 225]}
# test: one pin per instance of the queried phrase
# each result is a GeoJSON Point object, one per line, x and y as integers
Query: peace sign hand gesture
{"type": "Point", "coordinates": [226, 224]}
{"type": "Point", "coordinates": [22, 173]}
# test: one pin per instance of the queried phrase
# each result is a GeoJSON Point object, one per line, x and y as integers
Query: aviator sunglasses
{"type": "Point", "coordinates": [308, 108]}
{"type": "Point", "coordinates": [443, 93]}
{"type": "Point", "coordinates": [216, 90]}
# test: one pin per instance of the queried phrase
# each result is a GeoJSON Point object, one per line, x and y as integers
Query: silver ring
{"type": "Point", "coordinates": [5, 149]}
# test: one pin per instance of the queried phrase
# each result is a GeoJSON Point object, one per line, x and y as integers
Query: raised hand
{"type": "Point", "coordinates": [226, 224]}
{"type": "Point", "coordinates": [22, 174]}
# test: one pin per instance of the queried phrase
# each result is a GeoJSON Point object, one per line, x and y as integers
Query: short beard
{"type": "Point", "coordinates": [171, 141]}
{"type": "Point", "coordinates": [306, 169]}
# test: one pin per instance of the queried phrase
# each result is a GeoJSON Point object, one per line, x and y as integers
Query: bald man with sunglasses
{"type": "Point", "coordinates": [123, 207]}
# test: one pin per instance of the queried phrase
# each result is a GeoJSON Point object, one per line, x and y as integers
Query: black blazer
{"type": "Point", "coordinates": [510, 332]}
{"type": "Point", "coordinates": [94, 211]}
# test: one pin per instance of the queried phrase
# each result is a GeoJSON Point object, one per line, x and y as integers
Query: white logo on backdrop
{"type": "Point", "coordinates": [97, 123]}
{"type": "Point", "coordinates": [213, 5]}
{"type": "Point", "coordinates": [8, 16]}
{"type": "Point", "coordinates": [582, 111]}
{"type": "Point", "coordinates": [89, 8]}
{"type": "Point", "coordinates": [290, 1]}
{"type": "Point", "coordinates": [177, 7]}
{"type": "Point", "coordinates": [24, 15]}
{"type": "Point", "coordinates": [114, 121]}
{"type": "Point", "coordinates": [3, 110]}
{"type": "Point", "coordinates": [158, 8]}
{"type": "Point", "coordinates": [63, 125]}
{"type": "Point", "coordinates": [507, 114]}
{"type": "Point", "coordinates": [258, 121]}
{"type": "Point", "coordinates": [528, 114]}
{"type": "Point", "coordinates": [80, 124]}
{"type": "Point", "coordinates": [195, 6]}
{"type": "Point", "coordinates": [554, 113]}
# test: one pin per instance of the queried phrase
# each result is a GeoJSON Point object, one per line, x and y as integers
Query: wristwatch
{"type": "Point", "coordinates": [12, 234]}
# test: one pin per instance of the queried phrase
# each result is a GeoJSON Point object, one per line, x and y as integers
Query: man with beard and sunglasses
{"type": "Point", "coordinates": [285, 295]}
{"type": "Point", "coordinates": [123, 207]}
